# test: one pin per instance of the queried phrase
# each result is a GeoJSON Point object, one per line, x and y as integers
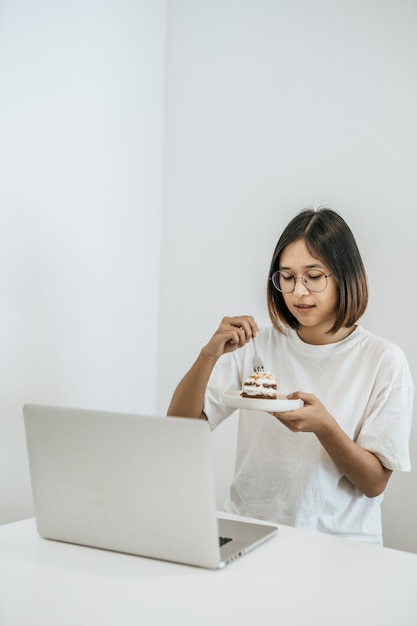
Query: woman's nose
{"type": "Point", "coordinates": [299, 287]}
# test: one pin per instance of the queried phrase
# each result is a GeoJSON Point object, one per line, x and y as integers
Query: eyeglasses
{"type": "Point", "coordinates": [313, 280]}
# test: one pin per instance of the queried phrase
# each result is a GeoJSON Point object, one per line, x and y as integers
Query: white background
{"type": "Point", "coordinates": [151, 153]}
{"type": "Point", "coordinates": [81, 155]}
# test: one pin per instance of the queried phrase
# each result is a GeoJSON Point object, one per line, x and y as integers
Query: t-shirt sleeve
{"type": "Point", "coordinates": [386, 430]}
{"type": "Point", "coordinates": [224, 376]}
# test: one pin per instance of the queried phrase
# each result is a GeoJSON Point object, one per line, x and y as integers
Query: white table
{"type": "Point", "coordinates": [297, 578]}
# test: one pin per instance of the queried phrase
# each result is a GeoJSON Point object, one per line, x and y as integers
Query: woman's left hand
{"type": "Point", "coordinates": [311, 418]}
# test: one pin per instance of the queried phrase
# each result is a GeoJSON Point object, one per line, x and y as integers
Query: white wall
{"type": "Point", "coordinates": [81, 127]}
{"type": "Point", "coordinates": [273, 105]}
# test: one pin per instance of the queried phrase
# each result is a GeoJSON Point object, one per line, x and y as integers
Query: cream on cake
{"type": "Point", "coordinates": [260, 385]}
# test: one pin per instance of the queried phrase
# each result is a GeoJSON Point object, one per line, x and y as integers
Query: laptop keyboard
{"type": "Point", "coordinates": [223, 540]}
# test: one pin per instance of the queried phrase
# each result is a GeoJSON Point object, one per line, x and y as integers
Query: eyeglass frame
{"type": "Point", "coordinates": [295, 278]}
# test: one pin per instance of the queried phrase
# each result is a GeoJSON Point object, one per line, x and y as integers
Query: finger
{"type": "Point", "coordinates": [235, 339]}
{"type": "Point", "coordinates": [285, 414]}
{"type": "Point", "coordinates": [246, 324]}
{"type": "Point", "coordinates": [240, 336]}
{"type": "Point", "coordinates": [308, 398]}
{"type": "Point", "coordinates": [244, 335]}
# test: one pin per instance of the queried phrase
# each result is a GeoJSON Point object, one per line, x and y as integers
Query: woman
{"type": "Point", "coordinates": [324, 466]}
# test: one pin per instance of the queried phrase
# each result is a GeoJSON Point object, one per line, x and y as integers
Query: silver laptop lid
{"type": "Point", "coordinates": [136, 484]}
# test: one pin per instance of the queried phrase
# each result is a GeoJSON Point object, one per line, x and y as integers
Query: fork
{"type": "Point", "coordinates": [257, 364]}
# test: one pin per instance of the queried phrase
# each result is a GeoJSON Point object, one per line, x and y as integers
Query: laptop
{"type": "Point", "coordinates": [137, 484]}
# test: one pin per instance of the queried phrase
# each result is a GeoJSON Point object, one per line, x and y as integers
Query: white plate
{"type": "Point", "coordinates": [235, 401]}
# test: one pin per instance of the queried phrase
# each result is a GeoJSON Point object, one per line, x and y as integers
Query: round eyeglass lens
{"type": "Point", "coordinates": [315, 280]}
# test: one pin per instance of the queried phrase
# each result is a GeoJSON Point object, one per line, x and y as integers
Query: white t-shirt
{"type": "Point", "coordinates": [284, 477]}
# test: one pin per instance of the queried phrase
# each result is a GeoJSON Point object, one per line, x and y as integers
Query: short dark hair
{"type": "Point", "coordinates": [329, 239]}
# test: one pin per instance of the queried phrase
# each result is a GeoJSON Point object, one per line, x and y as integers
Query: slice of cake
{"type": "Point", "coordinates": [260, 385]}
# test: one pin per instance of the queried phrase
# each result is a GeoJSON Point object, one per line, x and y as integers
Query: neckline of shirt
{"type": "Point", "coordinates": [327, 348]}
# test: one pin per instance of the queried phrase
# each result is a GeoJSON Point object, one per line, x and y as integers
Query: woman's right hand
{"type": "Point", "coordinates": [233, 333]}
